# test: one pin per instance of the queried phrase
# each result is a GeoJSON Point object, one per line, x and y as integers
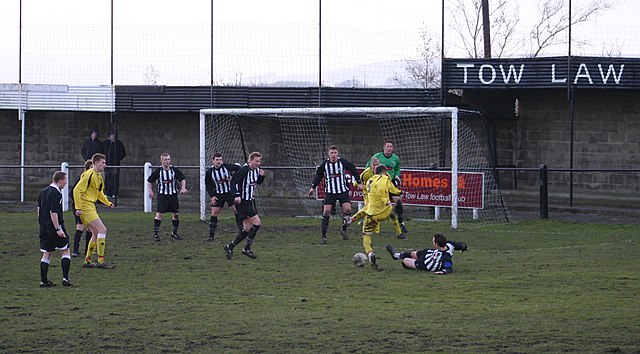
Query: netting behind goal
{"type": "Point", "coordinates": [294, 141]}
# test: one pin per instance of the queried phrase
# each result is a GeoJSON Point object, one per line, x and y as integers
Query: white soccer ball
{"type": "Point", "coordinates": [359, 259]}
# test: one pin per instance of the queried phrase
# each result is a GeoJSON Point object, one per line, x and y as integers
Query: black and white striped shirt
{"type": "Point", "coordinates": [218, 180]}
{"type": "Point", "coordinates": [168, 180]}
{"type": "Point", "coordinates": [436, 260]}
{"type": "Point", "coordinates": [335, 175]}
{"type": "Point", "coordinates": [244, 182]}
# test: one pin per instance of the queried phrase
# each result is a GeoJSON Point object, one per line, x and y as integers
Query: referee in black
{"type": "Point", "coordinates": [243, 187]}
{"type": "Point", "coordinates": [170, 183]}
{"type": "Point", "coordinates": [334, 171]}
{"type": "Point", "coordinates": [52, 233]}
{"type": "Point", "coordinates": [217, 180]}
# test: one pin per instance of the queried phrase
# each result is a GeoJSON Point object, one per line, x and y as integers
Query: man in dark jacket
{"type": "Point", "coordinates": [115, 152]}
{"type": "Point", "coordinates": [91, 146]}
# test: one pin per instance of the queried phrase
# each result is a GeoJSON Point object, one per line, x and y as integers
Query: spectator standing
{"type": "Point", "coordinates": [91, 146]}
{"type": "Point", "coordinates": [115, 152]}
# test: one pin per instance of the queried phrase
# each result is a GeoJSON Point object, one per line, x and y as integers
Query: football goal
{"type": "Point", "coordinates": [445, 155]}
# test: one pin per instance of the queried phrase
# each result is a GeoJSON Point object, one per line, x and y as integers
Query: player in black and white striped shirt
{"type": "Point", "coordinates": [243, 187]}
{"type": "Point", "coordinates": [437, 260]}
{"type": "Point", "coordinates": [170, 183]}
{"type": "Point", "coordinates": [334, 171]}
{"type": "Point", "coordinates": [218, 182]}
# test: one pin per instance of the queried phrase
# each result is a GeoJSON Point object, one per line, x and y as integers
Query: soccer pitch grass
{"type": "Point", "coordinates": [534, 286]}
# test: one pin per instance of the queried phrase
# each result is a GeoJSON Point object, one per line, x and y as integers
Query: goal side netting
{"type": "Point", "coordinates": [435, 145]}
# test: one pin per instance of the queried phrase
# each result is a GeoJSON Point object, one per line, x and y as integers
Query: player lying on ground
{"type": "Point", "coordinates": [437, 260]}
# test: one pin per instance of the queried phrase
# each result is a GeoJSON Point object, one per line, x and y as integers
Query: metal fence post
{"type": "Point", "coordinates": [544, 194]}
{"type": "Point", "coordinates": [64, 167]}
{"type": "Point", "coordinates": [147, 200]}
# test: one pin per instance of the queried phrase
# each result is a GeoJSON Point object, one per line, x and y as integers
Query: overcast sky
{"type": "Point", "coordinates": [257, 41]}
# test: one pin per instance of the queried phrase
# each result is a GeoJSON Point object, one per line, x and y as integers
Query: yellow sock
{"type": "Point", "coordinates": [359, 215]}
{"type": "Point", "coordinates": [102, 240]}
{"type": "Point", "coordinates": [396, 224]}
{"type": "Point", "coordinates": [90, 250]}
{"type": "Point", "coordinates": [366, 243]}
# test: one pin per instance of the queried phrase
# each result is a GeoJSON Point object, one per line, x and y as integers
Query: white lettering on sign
{"type": "Point", "coordinates": [580, 74]}
{"type": "Point", "coordinates": [465, 67]}
{"type": "Point", "coordinates": [481, 76]}
{"type": "Point", "coordinates": [553, 76]}
{"type": "Point", "coordinates": [612, 71]}
{"type": "Point", "coordinates": [516, 76]}
{"type": "Point", "coordinates": [487, 73]}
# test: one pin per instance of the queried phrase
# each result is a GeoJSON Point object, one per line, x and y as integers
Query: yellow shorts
{"type": "Point", "coordinates": [88, 215]}
{"type": "Point", "coordinates": [372, 222]}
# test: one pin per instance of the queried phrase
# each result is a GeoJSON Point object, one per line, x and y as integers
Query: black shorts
{"type": "Point", "coordinates": [77, 218]}
{"type": "Point", "coordinates": [330, 198]}
{"type": "Point", "coordinates": [421, 254]}
{"type": "Point", "coordinates": [245, 209]}
{"type": "Point", "coordinates": [224, 198]}
{"type": "Point", "coordinates": [168, 204]}
{"type": "Point", "coordinates": [50, 241]}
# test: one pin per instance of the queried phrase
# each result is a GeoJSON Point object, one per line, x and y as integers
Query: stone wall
{"type": "Point", "coordinates": [606, 136]}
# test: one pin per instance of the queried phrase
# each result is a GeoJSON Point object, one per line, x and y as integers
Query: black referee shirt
{"type": "Point", "coordinates": [49, 201]}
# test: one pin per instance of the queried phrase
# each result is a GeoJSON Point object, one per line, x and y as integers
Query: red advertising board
{"type": "Point", "coordinates": [431, 188]}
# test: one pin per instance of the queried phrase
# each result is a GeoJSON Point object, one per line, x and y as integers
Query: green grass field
{"type": "Point", "coordinates": [534, 286]}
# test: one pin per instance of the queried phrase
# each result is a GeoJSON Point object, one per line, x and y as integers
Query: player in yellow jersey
{"type": "Point", "coordinates": [364, 177]}
{"type": "Point", "coordinates": [378, 209]}
{"type": "Point", "coordinates": [86, 193]}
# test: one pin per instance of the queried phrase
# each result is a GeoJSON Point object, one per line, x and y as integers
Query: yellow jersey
{"type": "Point", "coordinates": [378, 188]}
{"type": "Point", "coordinates": [89, 190]}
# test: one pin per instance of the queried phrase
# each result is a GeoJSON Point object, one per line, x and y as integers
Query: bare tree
{"type": "Point", "coordinates": [425, 71]}
{"type": "Point", "coordinates": [467, 23]}
{"type": "Point", "coordinates": [548, 30]}
{"type": "Point", "coordinates": [554, 21]}
{"type": "Point", "coordinates": [151, 75]}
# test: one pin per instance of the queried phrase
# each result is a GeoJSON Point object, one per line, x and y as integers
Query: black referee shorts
{"type": "Point", "coordinates": [50, 241]}
{"type": "Point", "coordinates": [168, 204]}
{"type": "Point", "coordinates": [245, 209]}
{"type": "Point", "coordinates": [330, 198]}
{"type": "Point", "coordinates": [224, 198]}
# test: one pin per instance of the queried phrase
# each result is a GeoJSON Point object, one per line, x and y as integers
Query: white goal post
{"type": "Point", "coordinates": [206, 151]}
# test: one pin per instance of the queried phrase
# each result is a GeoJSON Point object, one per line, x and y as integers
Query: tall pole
{"type": "Point", "coordinates": [319, 53]}
{"type": "Point", "coordinates": [571, 98]}
{"type": "Point", "coordinates": [443, 92]}
{"type": "Point", "coordinates": [486, 29]}
{"type": "Point", "coordinates": [113, 110]}
{"type": "Point", "coordinates": [211, 58]}
{"type": "Point", "coordinates": [21, 115]}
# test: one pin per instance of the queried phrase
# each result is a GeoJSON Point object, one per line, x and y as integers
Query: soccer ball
{"type": "Point", "coordinates": [359, 259]}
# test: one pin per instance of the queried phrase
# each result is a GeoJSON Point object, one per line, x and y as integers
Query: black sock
{"type": "Point", "coordinates": [44, 270]}
{"type": "Point", "coordinates": [213, 225]}
{"type": "Point", "coordinates": [251, 236]}
{"type": "Point", "coordinates": [87, 237]}
{"type": "Point", "coordinates": [325, 225]}
{"type": "Point", "coordinates": [239, 222]}
{"type": "Point", "coordinates": [406, 254]}
{"type": "Point", "coordinates": [241, 235]}
{"type": "Point", "coordinates": [399, 209]}
{"type": "Point", "coordinates": [344, 224]}
{"type": "Point", "coordinates": [66, 265]}
{"type": "Point", "coordinates": [76, 240]}
{"type": "Point", "coordinates": [175, 223]}
{"type": "Point", "coordinates": [156, 226]}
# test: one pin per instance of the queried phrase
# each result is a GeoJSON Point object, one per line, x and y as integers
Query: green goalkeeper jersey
{"type": "Point", "coordinates": [392, 163]}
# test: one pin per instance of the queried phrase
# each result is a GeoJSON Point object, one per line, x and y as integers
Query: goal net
{"type": "Point", "coordinates": [445, 155]}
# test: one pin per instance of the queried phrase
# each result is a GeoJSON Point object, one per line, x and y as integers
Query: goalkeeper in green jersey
{"type": "Point", "coordinates": [392, 162]}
